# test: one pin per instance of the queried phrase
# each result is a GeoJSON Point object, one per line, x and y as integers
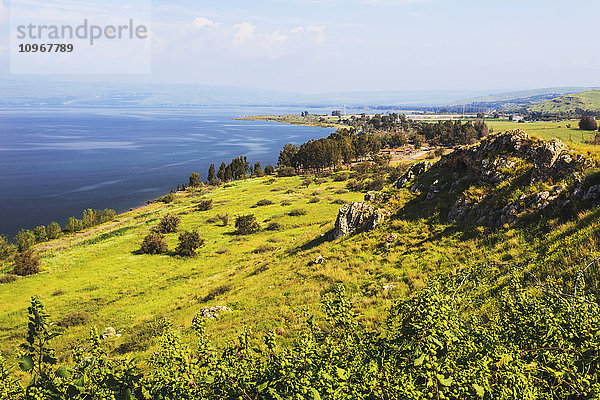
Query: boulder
{"type": "Point", "coordinates": [592, 194]}
{"type": "Point", "coordinates": [212, 312]}
{"type": "Point", "coordinates": [357, 217]}
{"type": "Point", "coordinates": [416, 170]}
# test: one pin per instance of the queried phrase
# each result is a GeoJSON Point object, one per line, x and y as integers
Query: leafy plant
{"type": "Point", "coordinates": [168, 224]}
{"type": "Point", "coordinates": [246, 224]}
{"type": "Point", "coordinates": [154, 243]}
{"type": "Point", "coordinates": [189, 242]}
{"type": "Point", "coordinates": [26, 263]}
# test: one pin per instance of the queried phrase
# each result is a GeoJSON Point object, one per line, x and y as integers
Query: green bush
{"type": "Point", "coordinates": [26, 263]}
{"type": "Point", "coordinates": [189, 242]}
{"type": "Point", "coordinates": [7, 278]}
{"type": "Point", "coordinates": [6, 249]}
{"type": "Point", "coordinates": [25, 239]}
{"type": "Point", "coordinates": [40, 234]}
{"type": "Point", "coordinates": [246, 224]}
{"type": "Point", "coordinates": [297, 212]}
{"type": "Point", "coordinates": [274, 226]}
{"type": "Point", "coordinates": [263, 202]}
{"type": "Point", "coordinates": [154, 243]}
{"type": "Point", "coordinates": [269, 170]}
{"type": "Point", "coordinates": [53, 231]}
{"type": "Point", "coordinates": [286, 172]}
{"type": "Point", "coordinates": [205, 205]}
{"type": "Point", "coordinates": [168, 224]}
{"type": "Point", "coordinates": [169, 198]}
{"type": "Point", "coordinates": [75, 318]}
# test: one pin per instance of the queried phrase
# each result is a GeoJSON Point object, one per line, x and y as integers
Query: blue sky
{"type": "Point", "coordinates": [333, 45]}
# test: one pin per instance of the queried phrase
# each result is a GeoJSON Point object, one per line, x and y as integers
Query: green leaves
{"type": "Point", "coordinates": [26, 363]}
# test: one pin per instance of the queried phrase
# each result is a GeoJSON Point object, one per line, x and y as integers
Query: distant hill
{"type": "Point", "coordinates": [578, 103]}
{"type": "Point", "coordinates": [512, 101]}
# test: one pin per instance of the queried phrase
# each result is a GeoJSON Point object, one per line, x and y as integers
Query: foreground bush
{"type": "Point", "coordinates": [205, 205]}
{"type": "Point", "coordinates": [26, 263]}
{"type": "Point", "coordinates": [246, 224]}
{"type": "Point", "coordinates": [189, 242]}
{"type": "Point", "coordinates": [168, 224]}
{"type": "Point", "coordinates": [154, 243]}
{"type": "Point", "coordinates": [531, 344]}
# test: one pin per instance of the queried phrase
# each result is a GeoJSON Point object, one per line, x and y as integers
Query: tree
{"type": "Point", "coordinates": [588, 123]}
{"type": "Point", "coordinates": [189, 242]}
{"type": "Point", "coordinates": [257, 171]}
{"type": "Point", "coordinates": [168, 224]}
{"type": "Point", "coordinates": [53, 231]}
{"type": "Point", "coordinates": [287, 156]}
{"type": "Point", "coordinates": [211, 174]}
{"type": "Point", "coordinates": [336, 113]}
{"type": "Point", "coordinates": [73, 225]}
{"type": "Point", "coordinates": [195, 180]}
{"type": "Point", "coordinates": [481, 128]}
{"type": "Point", "coordinates": [6, 249]}
{"type": "Point", "coordinates": [154, 243]}
{"type": "Point", "coordinates": [221, 173]}
{"type": "Point", "coordinates": [269, 170]}
{"type": "Point", "coordinates": [26, 263]}
{"type": "Point", "coordinates": [246, 224]}
{"type": "Point", "coordinates": [25, 239]}
{"type": "Point", "coordinates": [40, 234]}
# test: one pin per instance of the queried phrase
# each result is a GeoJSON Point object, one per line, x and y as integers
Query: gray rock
{"type": "Point", "coordinates": [592, 194]}
{"type": "Point", "coordinates": [212, 312]}
{"type": "Point", "coordinates": [357, 217]}
{"type": "Point", "coordinates": [416, 170]}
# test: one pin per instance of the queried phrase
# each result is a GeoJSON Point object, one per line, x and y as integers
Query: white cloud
{"type": "Point", "coordinates": [278, 37]}
{"type": "Point", "coordinates": [245, 32]}
{"type": "Point", "coordinates": [203, 22]}
{"type": "Point", "coordinates": [297, 30]}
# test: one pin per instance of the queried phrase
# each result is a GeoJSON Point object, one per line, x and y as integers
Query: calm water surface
{"type": "Point", "coordinates": [56, 162]}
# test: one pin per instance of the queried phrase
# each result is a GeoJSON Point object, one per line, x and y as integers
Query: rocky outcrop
{"type": "Point", "coordinates": [490, 159]}
{"type": "Point", "coordinates": [357, 217]}
{"type": "Point", "coordinates": [415, 171]}
{"type": "Point", "coordinates": [212, 312]}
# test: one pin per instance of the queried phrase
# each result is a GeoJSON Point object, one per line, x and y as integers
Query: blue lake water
{"type": "Point", "coordinates": [54, 163]}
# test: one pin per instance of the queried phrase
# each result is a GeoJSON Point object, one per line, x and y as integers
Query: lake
{"type": "Point", "coordinates": [54, 163]}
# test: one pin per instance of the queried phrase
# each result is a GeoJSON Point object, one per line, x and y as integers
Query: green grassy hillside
{"type": "Point", "coordinates": [588, 101]}
{"type": "Point", "coordinates": [504, 203]}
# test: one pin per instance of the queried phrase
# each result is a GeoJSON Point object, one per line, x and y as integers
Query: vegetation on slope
{"type": "Point", "coordinates": [476, 308]}
{"type": "Point", "coordinates": [573, 104]}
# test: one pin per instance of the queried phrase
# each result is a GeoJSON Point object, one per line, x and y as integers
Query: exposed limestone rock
{"type": "Point", "coordinates": [414, 171]}
{"type": "Point", "coordinates": [357, 217]}
{"type": "Point", "coordinates": [551, 159]}
{"type": "Point", "coordinates": [213, 312]}
{"type": "Point", "coordinates": [593, 193]}
{"type": "Point", "coordinates": [110, 332]}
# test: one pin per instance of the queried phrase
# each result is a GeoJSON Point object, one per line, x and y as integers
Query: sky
{"type": "Point", "coordinates": [352, 45]}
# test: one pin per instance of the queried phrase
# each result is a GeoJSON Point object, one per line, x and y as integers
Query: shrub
{"type": "Point", "coordinates": [26, 263]}
{"type": "Point", "coordinates": [189, 242]}
{"type": "Point", "coordinates": [313, 200]}
{"type": "Point", "coordinates": [53, 231]}
{"type": "Point", "coordinates": [263, 202]}
{"type": "Point", "coordinates": [205, 205]}
{"type": "Point", "coordinates": [286, 171]}
{"type": "Point", "coordinates": [154, 243]}
{"type": "Point", "coordinates": [7, 278]}
{"type": "Point", "coordinates": [75, 318]}
{"type": "Point", "coordinates": [297, 212]}
{"type": "Point", "coordinates": [341, 177]}
{"type": "Point", "coordinates": [274, 226]}
{"type": "Point", "coordinates": [276, 189]}
{"type": "Point", "coordinates": [376, 183]}
{"type": "Point", "coordinates": [269, 170]}
{"type": "Point", "coordinates": [354, 185]}
{"type": "Point", "coordinates": [286, 203]}
{"type": "Point", "coordinates": [340, 201]}
{"type": "Point", "coordinates": [246, 224]}
{"type": "Point", "coordinates": [320, 181]}
{"type": "Point", "coordinates": [6, 249]}
{"type": "Point", "coordinates": [224, 219]}
{"type": "Point", "coordinates": [341, 191]}
{"type": "Point", "coordinates": [195, 180]}
{"type": "Point", "coordinates": [40, 234]}
{"type": "Point", "coordinates": [216, 292]}
{"type": "Point", "coordinates": [222, 250]}
{"type": "Point", "coordinates": [265, 248]}
{"type": "Point", "coordinates": [307, 181]}
{"type": "Point", "coordinates": [168, 224]}
{"type": "Point", "coordinates": [25, 239]}
{"type": "Point", "coordinates": [59, 292]}
{"type": "Point", "coordinates": [588, 123]}
{"type": "Point", "coordinates": [167, 199]}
